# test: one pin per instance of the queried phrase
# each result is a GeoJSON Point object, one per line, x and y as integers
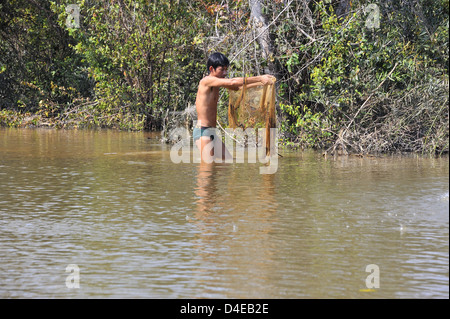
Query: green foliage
{"type": "Point", "coordinates": [36, 64]}
{"type": "Point", "coordinates": [341, 80]}
{"type": "Point", "coordinates": [139, 53]}
{"type": "Point", "coordinates": [365, 73]}
{"type": "Point", "coordinates": [306, 129]}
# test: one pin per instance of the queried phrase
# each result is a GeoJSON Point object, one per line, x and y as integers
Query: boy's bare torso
{"type": "Point", "coordinates": [206, 104]}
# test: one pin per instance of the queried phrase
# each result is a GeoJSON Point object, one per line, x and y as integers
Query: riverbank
{"type": "Point", "coordinates": [135, 123]}
{"type": "Point", "coordinates": [81, 119]}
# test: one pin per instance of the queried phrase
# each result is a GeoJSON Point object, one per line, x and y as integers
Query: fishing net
{"type": "Point", "coordinates": [253, 107]}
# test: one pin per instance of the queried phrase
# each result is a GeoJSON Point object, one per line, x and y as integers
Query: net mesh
{"type": "Point", "coordinates": [253, 107]}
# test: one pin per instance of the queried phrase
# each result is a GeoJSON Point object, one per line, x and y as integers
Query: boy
{"type": "Point", "coordinates": [208, 97]}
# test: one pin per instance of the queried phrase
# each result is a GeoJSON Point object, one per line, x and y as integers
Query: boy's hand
{"type": "Point", "coordinates": [267, 79]}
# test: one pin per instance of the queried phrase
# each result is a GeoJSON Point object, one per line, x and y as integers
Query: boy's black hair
{"type": "Point", "coordinates": [217, 59]}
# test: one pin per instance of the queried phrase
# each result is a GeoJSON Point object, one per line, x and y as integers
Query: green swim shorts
{"type": "Point", "coordinates": [204, 131]}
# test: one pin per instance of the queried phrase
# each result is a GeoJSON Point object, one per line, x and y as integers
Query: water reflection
{"type": "Point", "coordinates": [234, 221]}
{"type": "Point", "coordinates": [206, 190]}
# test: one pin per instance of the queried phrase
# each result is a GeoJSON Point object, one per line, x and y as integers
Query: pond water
{"type": "Point", "coordinates": [106, 214]}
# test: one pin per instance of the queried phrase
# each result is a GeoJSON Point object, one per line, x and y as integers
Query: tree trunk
{"type": "Point", "coordinates": [343, 9]}
{"type": "Point", "coordinates": [260, 28]}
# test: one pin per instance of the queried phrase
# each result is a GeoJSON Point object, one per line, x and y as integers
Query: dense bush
{"type": "Point", "coordinates": [379, 89]}
{"type": "Point", "coordinates": [38, 69]}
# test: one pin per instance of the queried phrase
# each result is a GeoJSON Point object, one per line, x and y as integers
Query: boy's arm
{"type": "Point", "coordinates": [236, 83]}
{"type": "Point", "coordinates": [253, 84]}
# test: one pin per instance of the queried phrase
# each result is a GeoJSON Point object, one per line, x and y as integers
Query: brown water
{"type": "Point", "coordinates": [139, 226]}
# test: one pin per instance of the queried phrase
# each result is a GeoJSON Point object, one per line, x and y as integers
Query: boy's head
{"type": "Point", "coordinates": [216, 60]}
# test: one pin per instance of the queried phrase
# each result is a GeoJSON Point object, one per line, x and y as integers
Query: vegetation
{"type": "Point", "coordinates": [353, 76]}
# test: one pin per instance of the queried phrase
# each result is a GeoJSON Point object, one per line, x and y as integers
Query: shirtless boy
{"type": "Point", "coordinates": [208, 97]}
